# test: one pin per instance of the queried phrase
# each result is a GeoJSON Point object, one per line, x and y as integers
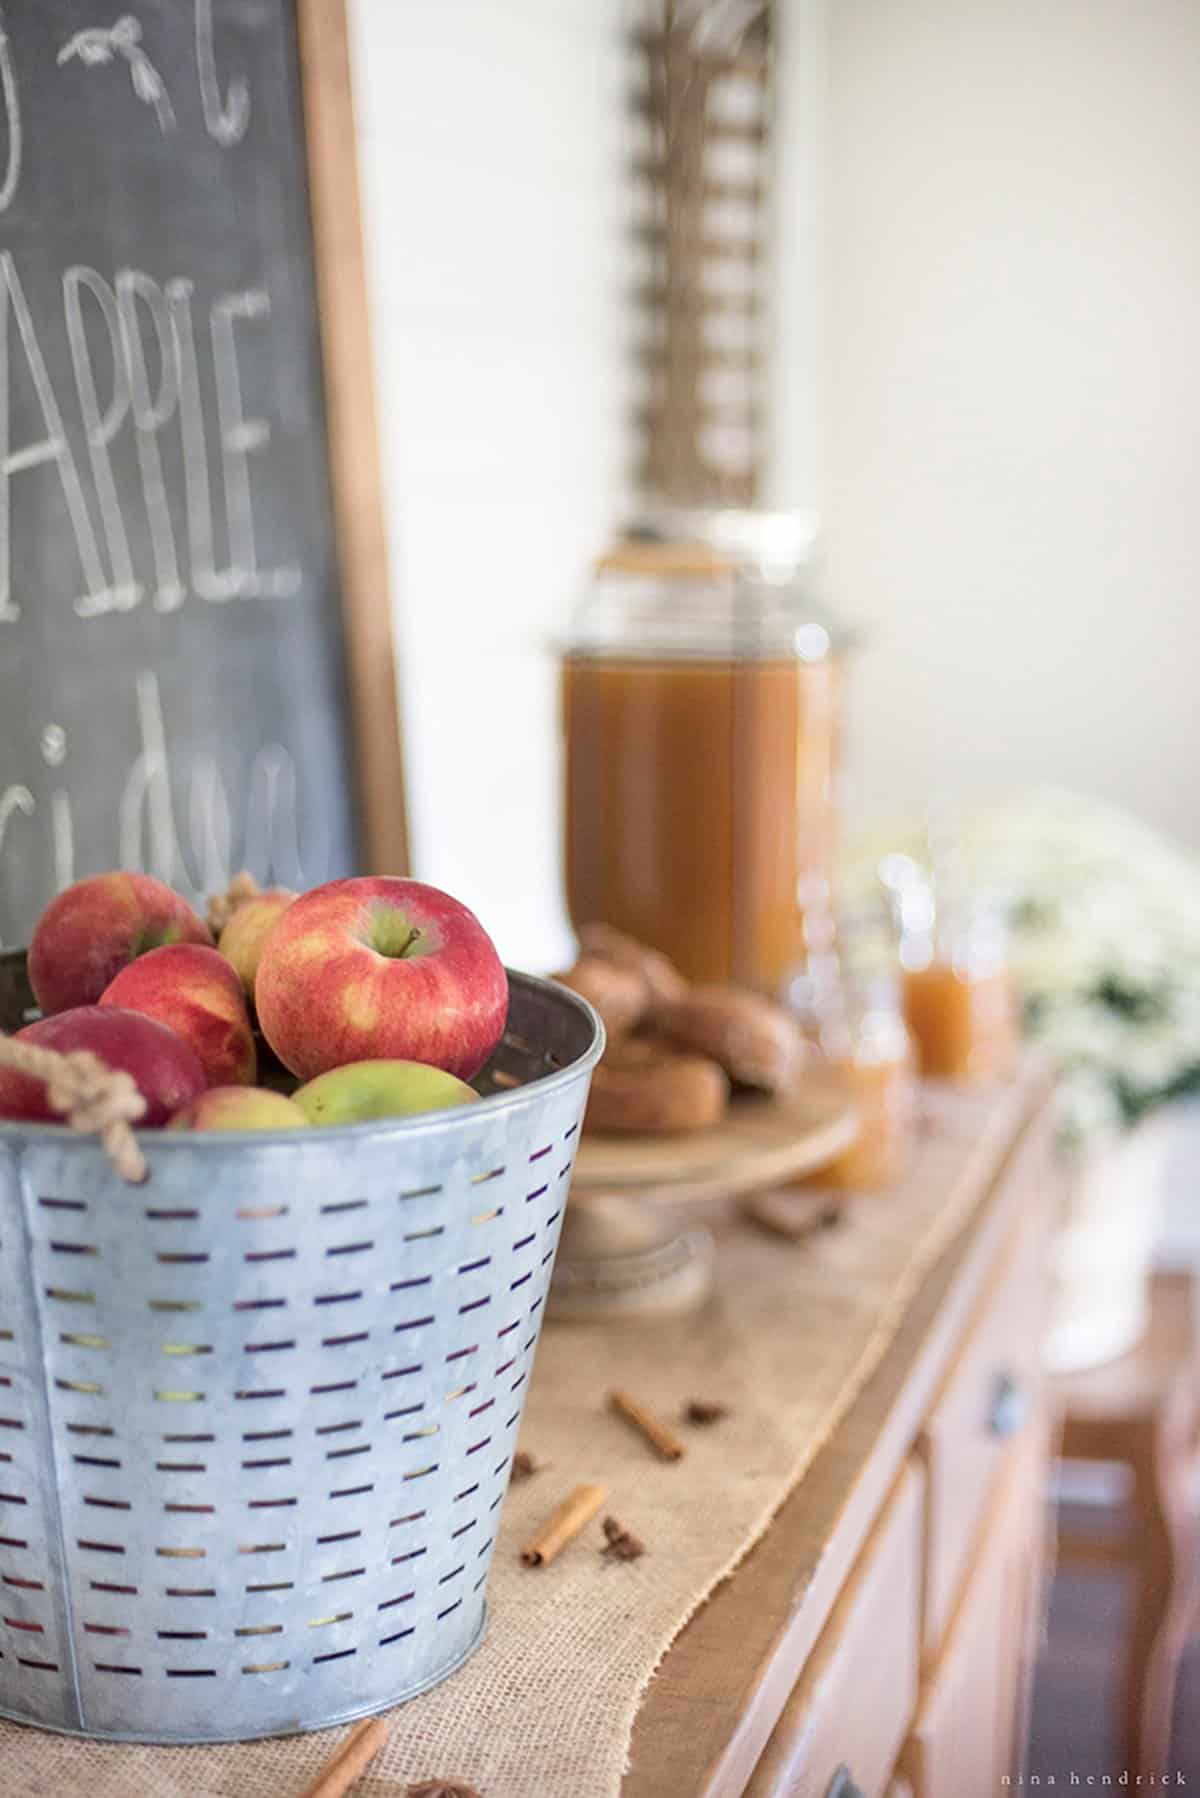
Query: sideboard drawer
{"type": "Point", "coordinates": [855, 1699]}
{"type": "Point", "coordinates": [968, 1738]}
{"type": "Point", "coordinates": [986, 1401]}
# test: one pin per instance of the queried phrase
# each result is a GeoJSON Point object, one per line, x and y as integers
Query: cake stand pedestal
{"type": "Point", "coordinates": [628, 1247]}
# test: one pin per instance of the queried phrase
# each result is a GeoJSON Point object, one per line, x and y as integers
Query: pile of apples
{"type": "Point", "coordinates": [381, 997]}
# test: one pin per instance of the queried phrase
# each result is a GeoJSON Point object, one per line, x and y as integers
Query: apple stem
{"type": "Point", "coordinates": [390, 933]}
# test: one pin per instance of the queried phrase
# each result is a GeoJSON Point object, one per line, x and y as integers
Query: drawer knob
{"type": "Point", "coordinates": [1008, 1407]}
{"type": "Point", "coordinates": [842, 1786]}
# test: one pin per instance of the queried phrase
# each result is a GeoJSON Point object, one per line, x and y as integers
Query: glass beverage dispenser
{"type": "Point", "coordinates": [701, 702]}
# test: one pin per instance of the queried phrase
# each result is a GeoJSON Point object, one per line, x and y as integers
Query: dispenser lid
{"type": "Point", "coordinates": [675, 540]}
{"type": "Point", "coordinates": [725, 583]}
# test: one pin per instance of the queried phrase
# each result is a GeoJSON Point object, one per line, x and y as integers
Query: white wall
{"type": "Point", "coordinates": [490, 149]}
{"type": "Point", "coordinates": [988, 370]}
{"type": "Point", "coordinates": [1012, 353]}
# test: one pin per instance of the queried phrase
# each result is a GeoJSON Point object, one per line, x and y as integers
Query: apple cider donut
{"type": "Point", "coordinates": [756, 1042]}
{"type": "Point", "coordinates": [663, 979]}
{"type": "Point", "coordinates": [642, 1088]}
{"type": "Point", "coordinates": [619, 994]}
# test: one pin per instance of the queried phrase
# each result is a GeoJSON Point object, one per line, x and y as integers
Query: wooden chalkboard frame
{"type": "Point", "coordinates": [356, 474]}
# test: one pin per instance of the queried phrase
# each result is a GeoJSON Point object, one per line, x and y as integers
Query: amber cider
{"type": "Point", "coordinates": [964, 1023]}
{"type": "Point", "coordinates": [699, 798]}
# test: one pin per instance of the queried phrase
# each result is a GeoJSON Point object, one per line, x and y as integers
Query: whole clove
{"type": "Point", "coordinates": [704, 1411]}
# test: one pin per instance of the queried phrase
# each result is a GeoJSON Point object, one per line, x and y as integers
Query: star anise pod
{"type": "Point", "coordinates": [620, 1544]}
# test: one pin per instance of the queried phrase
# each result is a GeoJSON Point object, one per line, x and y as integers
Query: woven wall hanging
{"type": "Point", "coordinates": [701, 128]}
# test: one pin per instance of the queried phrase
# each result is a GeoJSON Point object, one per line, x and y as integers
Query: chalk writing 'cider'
{"type": "Point", "coordinates": [125, 311]}
{"type": "Point", "coordinates": [177, 823]}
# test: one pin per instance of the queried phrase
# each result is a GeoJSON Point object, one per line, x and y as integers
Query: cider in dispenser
{"type": "Point", "coordinates": [701, 702]}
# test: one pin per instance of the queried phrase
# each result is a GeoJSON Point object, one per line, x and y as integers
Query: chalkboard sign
{"type": "Point", "coordinates": [196, 671]}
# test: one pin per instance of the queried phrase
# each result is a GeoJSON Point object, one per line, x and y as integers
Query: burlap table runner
{"type": "Point", "coordinates": [545, 1708]}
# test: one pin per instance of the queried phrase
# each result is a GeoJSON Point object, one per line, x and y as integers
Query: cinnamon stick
{"type": "Point", "coordinates": [573, 1515]}
{"type": "Point", "coordinates": [356, 1752]}
{"type": "Point", "coordinates": [659, 1435]}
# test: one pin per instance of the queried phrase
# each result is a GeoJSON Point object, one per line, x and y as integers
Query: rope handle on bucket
{"type": "Point", "coordinates": [221, 906]}
{"type": "Point", "coordinates": [92, 1098]}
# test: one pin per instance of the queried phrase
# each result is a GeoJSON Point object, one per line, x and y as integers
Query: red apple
{"type": "Point", "coordinates": [242, 939]}
{"type": "Point", "coordinates": [195, 992]}
{"type": "Point", "coordinates": [91, 930]}
{"type": "Point", "coordinates": [167, 1072]}
{"type": "Point", "coordinates": [380, 968]}
{"type": "Point", "coordinates": [240, 1108]}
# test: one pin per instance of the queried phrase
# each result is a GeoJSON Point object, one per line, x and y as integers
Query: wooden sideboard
{"type": "Point", "coordinates": [878, 1641]}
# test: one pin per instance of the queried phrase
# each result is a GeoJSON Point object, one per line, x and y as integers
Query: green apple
{"type": "Point", "coordinates": [380, 1089]}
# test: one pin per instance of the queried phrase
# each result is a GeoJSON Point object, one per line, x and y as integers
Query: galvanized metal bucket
{"type": "Point", "coordinates": [257, 1416]}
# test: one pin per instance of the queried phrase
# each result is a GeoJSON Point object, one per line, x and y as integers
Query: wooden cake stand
{"type": "Point", "coordinates": [625, 1249]}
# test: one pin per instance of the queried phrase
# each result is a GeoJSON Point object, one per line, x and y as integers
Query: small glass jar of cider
{"type": "Point", "coordinates": [860, 1031]}
{"type": "Point", "coordinates": [959, 998]}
